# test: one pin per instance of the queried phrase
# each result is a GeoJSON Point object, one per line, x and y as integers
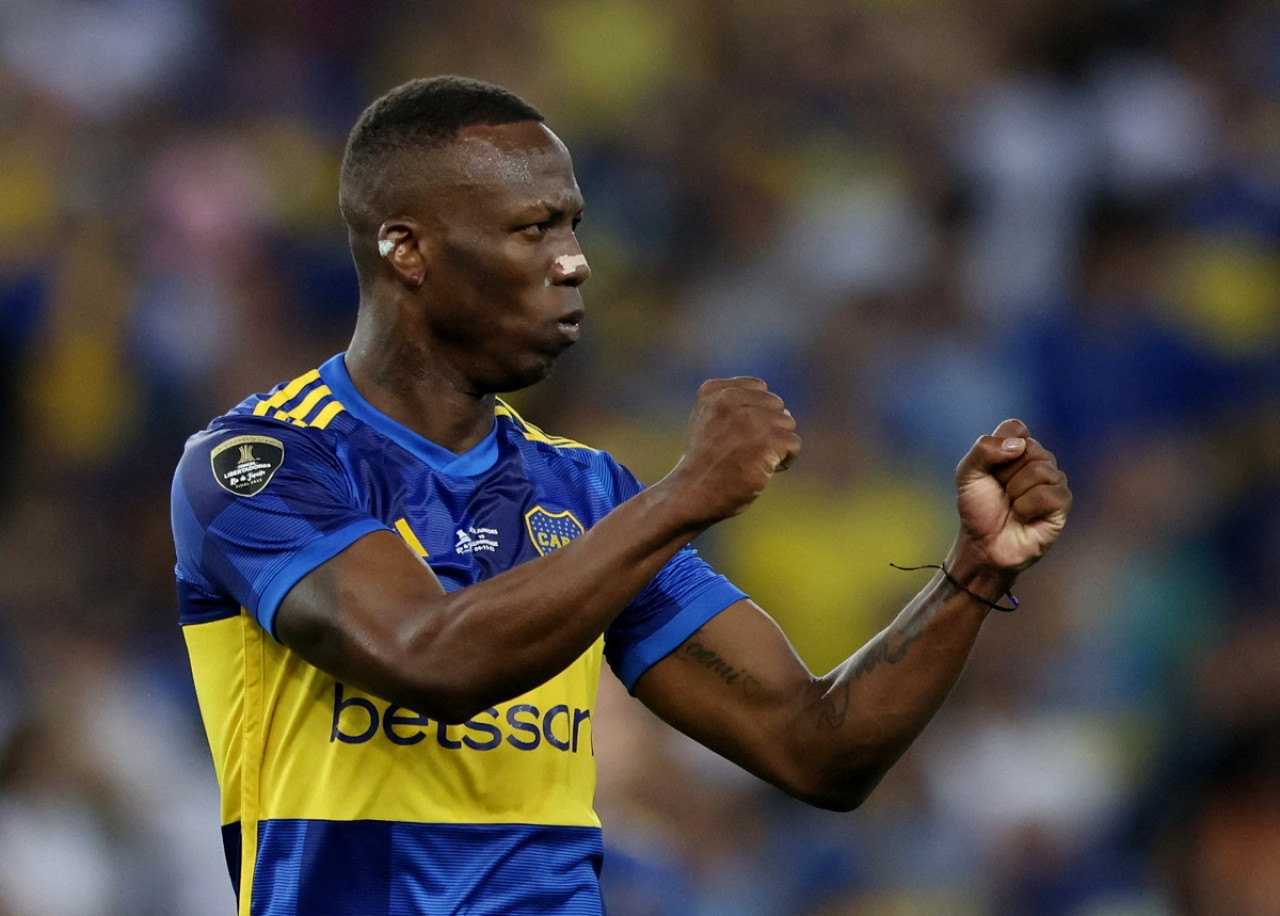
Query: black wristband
{"type": "Point", "coordinates": [1013, 601]}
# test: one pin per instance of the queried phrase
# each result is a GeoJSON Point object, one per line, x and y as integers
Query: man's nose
{"type": "Point", "coordinates": [570, 270]}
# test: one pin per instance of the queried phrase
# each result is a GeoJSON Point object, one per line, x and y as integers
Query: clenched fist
{"type": "Point", "coordinates": [1012, 498]}
{"type": "Point", "coordinates": [739, 435]}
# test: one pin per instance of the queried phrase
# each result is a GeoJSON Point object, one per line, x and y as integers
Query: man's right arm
{"type": "Point", "coordinates": [376, 616]}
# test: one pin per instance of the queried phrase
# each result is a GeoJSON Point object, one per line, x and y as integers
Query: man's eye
{"type": "Point", "coordinates": [536, 230]}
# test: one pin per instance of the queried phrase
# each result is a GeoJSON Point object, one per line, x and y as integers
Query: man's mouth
{"type": "Point", "coordinates": [570, 326]}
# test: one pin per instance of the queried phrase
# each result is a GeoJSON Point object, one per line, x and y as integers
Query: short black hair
{"type": "Point", "coordinates": [417, 116]}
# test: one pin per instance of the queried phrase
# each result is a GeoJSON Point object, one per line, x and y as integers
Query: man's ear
{"type": "Point", "coordinates": [399, 244]}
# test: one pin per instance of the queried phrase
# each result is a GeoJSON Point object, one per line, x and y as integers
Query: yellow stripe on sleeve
{"type": "Point", "coordinates": [331, 410]}
{"type": "Point", "coordinates": [309, 403]}
{"type": "Point", "coordinates": [287, 393]}
{"type": "Point", "coordinates": [410, 538]}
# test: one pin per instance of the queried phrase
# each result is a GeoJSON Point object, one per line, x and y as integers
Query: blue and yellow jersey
{"type": "Point", "coordinates": [335, 801]}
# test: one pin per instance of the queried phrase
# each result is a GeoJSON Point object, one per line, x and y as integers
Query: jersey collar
{"type": "Point", "coordinates": [476, 460]}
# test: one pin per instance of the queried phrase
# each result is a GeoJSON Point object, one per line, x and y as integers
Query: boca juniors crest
{"type": "Point", "coordinates": [550, 530]}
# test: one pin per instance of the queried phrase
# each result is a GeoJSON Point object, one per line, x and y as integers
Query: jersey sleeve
{"type": "Point", "coordinates": [684, 595]}
{"type": "Point", "coordinates": [256, 506]}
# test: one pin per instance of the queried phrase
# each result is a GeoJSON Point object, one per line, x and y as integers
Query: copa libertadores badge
{"type": "Point", "coordinates": [243, 465]}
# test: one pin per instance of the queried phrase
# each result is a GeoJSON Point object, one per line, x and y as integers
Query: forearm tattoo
{"type": "Point", "coordinates": [710, 659]}
{"type": "Point", "coordinates": [834, 708]}
{"type": "Point", "coordinates": [888, 648]}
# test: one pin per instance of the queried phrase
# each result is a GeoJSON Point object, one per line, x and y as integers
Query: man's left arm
{"type": "Point", "coordinates": [737, 686]}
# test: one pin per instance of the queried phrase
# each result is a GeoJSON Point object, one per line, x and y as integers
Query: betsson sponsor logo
{"type": "Point", "coordinates": [357, 720]}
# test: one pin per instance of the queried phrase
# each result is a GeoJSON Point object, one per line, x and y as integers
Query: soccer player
{"type": "Point", "coordinates": [397, 593]}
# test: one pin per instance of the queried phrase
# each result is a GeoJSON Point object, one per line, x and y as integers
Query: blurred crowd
{"type": "Point", "coordinates": [913, 218]}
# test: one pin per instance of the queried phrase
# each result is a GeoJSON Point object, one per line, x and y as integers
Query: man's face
{"type": "Point", "coordinates": [504, 266]}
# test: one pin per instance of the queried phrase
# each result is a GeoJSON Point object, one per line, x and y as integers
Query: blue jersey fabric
{"type": "Point", "coordinates": [490, 816]}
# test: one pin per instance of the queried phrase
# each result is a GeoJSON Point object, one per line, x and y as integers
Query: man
{"type": "Point", "coordinates": [397, 593]}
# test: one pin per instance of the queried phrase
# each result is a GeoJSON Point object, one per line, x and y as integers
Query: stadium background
{"type": "Point", "coordinates": [913, 217]}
